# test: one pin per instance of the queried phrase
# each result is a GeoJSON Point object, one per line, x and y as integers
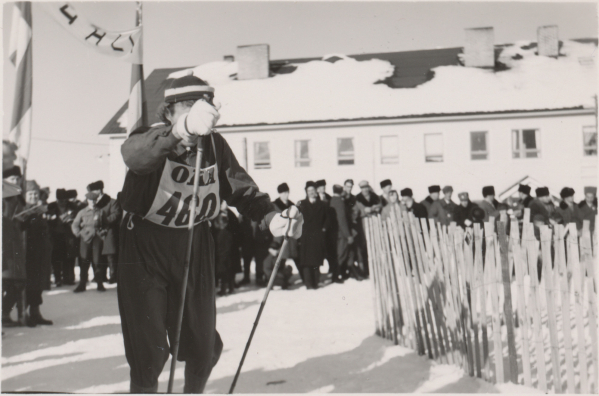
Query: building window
{"type": "Point", "coordinates": [589, 136]}
{"type": "Point", "coordinates": [261, 155]}
{"type": "Point", "coordinates": [478, 146]}
{"type": "Point", "coordinates": [389, 150]}
{"type": "Point", "coordinates": [302, 153]}
{"type": "Point", "coordinates": [345, 151]}
{"type": "Point", "coordinates": [526, 143]}
{"type": "Point", "coordinates": [433, 147]}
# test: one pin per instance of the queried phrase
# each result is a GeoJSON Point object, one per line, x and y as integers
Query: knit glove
{"type": "Point", "coordinates": [280, 223]}
{"type": "Point", "coordinates": [200, 121]}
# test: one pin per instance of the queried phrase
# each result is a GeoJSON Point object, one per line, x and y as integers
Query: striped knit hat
{"type": "Point", "coordinates": [188, 87]}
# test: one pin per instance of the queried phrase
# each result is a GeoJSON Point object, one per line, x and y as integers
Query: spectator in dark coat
{"type": "Point", "coordinates": [407, 198]}
{"type": "Point", "coordinates": [567, 209]}
{"type": "Point", "coordinates": [442, 210]}
{"type": "Point", "coordinates": [489, 203]}
{"type": "Point", "coordinates": [312, 241]}
{"type": "Point", "coordinates": [464, 212]}
{"type": "Point", "coordinates": [284, 272]}
{"type": "Point", "coordinates": [357, 255]}
{"type": "Point", "coordinates": [386, 186]}
{"type": "Point", "coordinates": [588, 206]}
{"type": "Point", "coordinates": [331, 234]}
{"type": "Point", "coordinates": [224, 244]}
{"type": "Point", "coordinates": [61, 214]}
{"type": "Point", "coordinates": [524, 201]}
{"type": "Point", "coordinates": [262, 240]}
{"type": "Point", "coordinates": [38, 253]}
{"type": "Point", "coordinates": [111, 214]}
{"type": "Point", "coordinates": [345, 235]}
{"type": "Point", "coordinates": [543, 206]}
{"type": "Point", "coordinates": [433, 195]}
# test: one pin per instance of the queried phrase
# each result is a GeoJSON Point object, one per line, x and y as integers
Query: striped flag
{"type": "Point", "coordinates": [137, 113]}
{"type": "Point", "coordinates": [20, 56]}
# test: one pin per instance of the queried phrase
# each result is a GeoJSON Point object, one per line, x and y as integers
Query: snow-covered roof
{"type": "Point", "coordinates": [339, 87]}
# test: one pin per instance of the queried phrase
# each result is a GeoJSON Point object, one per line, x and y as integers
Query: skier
{"type": "Point", "coordinates": [153, 235]}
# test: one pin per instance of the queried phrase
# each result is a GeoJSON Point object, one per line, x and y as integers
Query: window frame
{"type": "Point", "coordinates": [297, 152]}
{"type": "Point", "coordinates": [426, 156]}
{"type": "Point", "coordinates": [256, 164]}
{"type": "Point", "coordinates": [394, 159]}
{"type": "Point", "coordinates": [584, 147]}
{"type": "Point", "coordinates": [347, 158]}
{"type": "Point", "coordinates": [486, 152]}
{"type": "Point", "coordinates": [522, 152]}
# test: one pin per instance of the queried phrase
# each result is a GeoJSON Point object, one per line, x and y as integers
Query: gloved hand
{"type": "Point", "coordinates": [200, 120]}
{"type": "Point", "coordinates": [280, 222]}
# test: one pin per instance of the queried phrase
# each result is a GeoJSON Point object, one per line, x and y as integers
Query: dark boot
{"type": "Point", "coordinates": [101, 287]}
{"type": "Point", "coordinates": [196, 375]}
{"type": "Point", "coordinates": [7, 320]}
{"type": "Point", "coordinates": [35, 315]}
{"type": "Point", "coordinates": [112, 270]}
{"type": "Point", "coordinates": [83, 271]}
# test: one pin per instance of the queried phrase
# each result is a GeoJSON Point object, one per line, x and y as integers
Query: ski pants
{"type": "Point", "coordinates": [150, 279]}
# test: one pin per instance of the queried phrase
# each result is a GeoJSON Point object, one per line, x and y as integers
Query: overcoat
{"type": "Point", "coordinates": [110, 218]}
{"type": "Point", "coordinates": [38, 251]}
{"type": "Point", "coordinates": [312, 241]}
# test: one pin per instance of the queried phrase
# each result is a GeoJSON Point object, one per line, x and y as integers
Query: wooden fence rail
{"type": "Point", "coordinates": [513, 304]}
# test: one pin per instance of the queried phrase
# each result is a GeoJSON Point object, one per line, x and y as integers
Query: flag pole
{"type": "Point", "coordinates": [137, 114]}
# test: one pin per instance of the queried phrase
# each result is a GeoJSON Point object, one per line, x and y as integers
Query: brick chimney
{"type": "Point", "coordinates": [548, 41]}
{"type": "Point", "coordinates": [253, 61]}
{"type": "Point", "coordinates": [479, 49]}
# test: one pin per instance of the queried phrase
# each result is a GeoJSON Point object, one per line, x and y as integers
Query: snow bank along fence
{"type": "Point", "coordinates": [474, 299]}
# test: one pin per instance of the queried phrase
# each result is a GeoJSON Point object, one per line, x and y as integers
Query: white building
{"type": "Point", "coordinates": [480, 115]}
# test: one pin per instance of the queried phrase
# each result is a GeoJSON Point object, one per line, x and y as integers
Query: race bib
{"type": "Point", "coordinates": [171, 206]}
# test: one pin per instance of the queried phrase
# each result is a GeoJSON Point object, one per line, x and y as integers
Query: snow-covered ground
{"type": "Point", "coordinates": [308, 341]}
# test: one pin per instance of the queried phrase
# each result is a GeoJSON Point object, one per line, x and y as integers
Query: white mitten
{"type": "Point", "coordinates": [280, 223]}
{"type": "Point", "coordinates": [200, 120]}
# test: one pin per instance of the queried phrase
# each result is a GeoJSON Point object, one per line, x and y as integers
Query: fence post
{"type": "Point", "coordinates": [378, 317]}
{"type": "Point", "coordinates": [507, 293]}
{"type": "Point", "coordinates": [589, 265]}
{"type": "Point", "coordinates": [480, 273]}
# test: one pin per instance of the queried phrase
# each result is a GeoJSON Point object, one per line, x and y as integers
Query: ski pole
{"type": "Point", "coordinates": [190, 227]}
{"type": "Point", "coordinates": [270, 285]}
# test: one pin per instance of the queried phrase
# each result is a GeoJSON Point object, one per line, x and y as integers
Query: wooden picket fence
{"type": "Point", "coordinates": [473, 298]}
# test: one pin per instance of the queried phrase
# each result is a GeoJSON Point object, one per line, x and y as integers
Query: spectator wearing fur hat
{"type": "Point", "coordinates": [433, 195]}
{"type": "Point", "coordinates": [524, 200]}
{"type": "Point", "coordinates": [111, 214]}
{"type": "Point", "coordinates": [386, 186]}
{"type": "Point", "coordinates": [407, 198]}
{"type": "Point", "coordinates": [588, 206]}
{"type": "Point", "coordinates": [464, 212]}
{"type": "Point", "coordinates": [489, 203]}
{"type": "Point", "coordinates": [442, 210]}
{"type": "Point", "coordinates": [567, 208]}
{"type": "Point", "coordinates": [87, 226]}
{"type": "Point", "coordinates": [543, 205]}
{"type": "Point", "coordinates": [61, 214]}
{"type": "Point", "coordinates": [312, 241]}
{"type": "Point", "coordinates": [321, 190]}
{"type": "Point", "coordinates": [38, 252]}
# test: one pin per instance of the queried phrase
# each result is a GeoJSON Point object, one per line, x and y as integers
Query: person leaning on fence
{"type": "Point", "coordinates": [489, 203]}
{"type": "Point", "coordinates": [418, 210]}
{"type": "Point", "coordinates": [543, 205]}
{"type": "Point", "coordinates": [442, 210]}
{"type": "Point", "coordinates": [433, 195]}
{"type": "Point", "coordinates": [567, 209]}
{"type": "Point", "coordinates": [386, 186]}
{"type": "Point", "coordinates": [392, 207]}
{"type": "Point", "coordinates": [465, 211]}
{"type": "Point", "coordinates": [588, 206]}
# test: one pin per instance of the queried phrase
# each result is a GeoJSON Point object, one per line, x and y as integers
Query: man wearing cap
{"type": "Point", "coordinates": [407, 198]}
{"type": "Point", "coordinates": [153, 235]}
{"type": "Point", "coordinates": [38, 252]}
{"type": "Point", "coordinates": [433, 195]}
{"type": "Point", "coordinates": [542, 205]}
{"type": "Point", "coordinates": [312, 241]}
{"type": "Point", "coordinates": [464, 212]}
{"type": "Point", "coordinates": [281, 204]}
{"type": "Point", "coordinates": [442, 210]}
{"type": "Point", "coordinates": [111, 215]}
{"type": "Point", "coordinates": [588, 206]}
{"type": "Point", "coordinates": [567, 208]}
{"type": "Point", "coordinates": [386, 186]}
{"type": "Point", "coordinates": [489, 203]}
{"type": "Point", "coordinates": [61, 214]}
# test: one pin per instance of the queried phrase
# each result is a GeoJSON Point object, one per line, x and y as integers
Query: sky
{"type": "Point", "coordinates": [76, 91]}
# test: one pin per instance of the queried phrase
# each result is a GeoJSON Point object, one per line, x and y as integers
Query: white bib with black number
{"type": "Point", "coordinates": [171, 204]}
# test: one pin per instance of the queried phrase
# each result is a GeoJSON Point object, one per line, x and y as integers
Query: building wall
{"type": "Point", "coordinates": [561, 162]}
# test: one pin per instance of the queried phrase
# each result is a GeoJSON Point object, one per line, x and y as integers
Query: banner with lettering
{"type": "Point", "coordinates": [125, 45]}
